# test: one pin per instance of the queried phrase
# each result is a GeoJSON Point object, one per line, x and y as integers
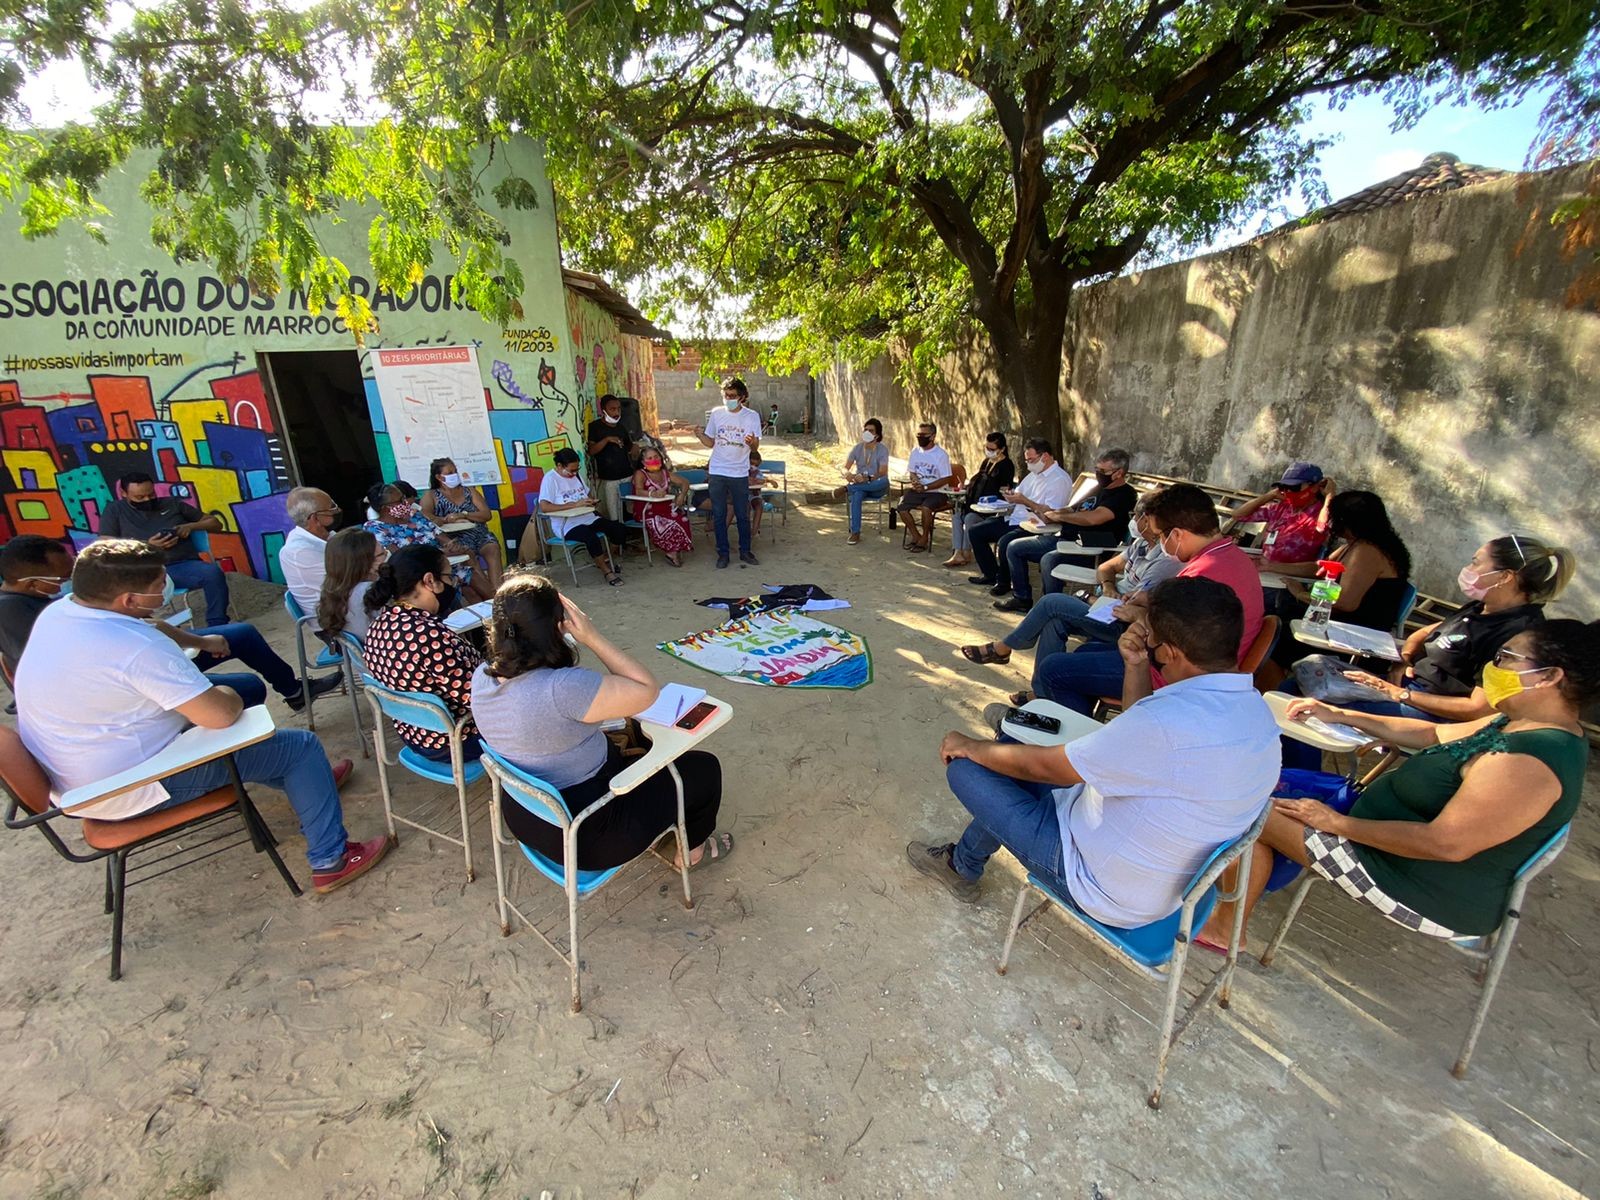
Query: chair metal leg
{"type": "Point", "coordinates": [119, 903]}
{"type": "Point", "coordinates": [1282, 931]}
{"type": "Point", "coordinates": [567, 550]}
{"type": "Point", "coordinates": [108, 887]}
{"type": "Point", "coordinates": [1180, 956]}
{"type": "Point", "coordinates": [498, 843]}
{"type": "Point", "coordinates": [570, 874]}
{"type": "Point", "coordinates": [1011, 932]}
{"type": "Point", "coordinates": [352, 685]}
{"type": "Point", "coordinates": [1507, 934]}
{"type": "Point", "coordinates": [380, 752]}
{"type": "Point", "coordinates": [305, 676]}
{"type": "Point", "coordinates": [683, 837]}
{"type": "Point", "coordinates": [458, 763]}
{"type": "Point", "coordinates": [260, 829]}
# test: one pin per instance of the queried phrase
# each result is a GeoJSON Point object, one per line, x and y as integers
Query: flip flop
{"type": "Point", "coordinates": [615, 579]}
{"type": "Point", "coordinates": [984, 655]}
{"type": "Point", "coordinates": [1208, 944]}
{"type": "Point", "coordinates": [1018, 699]}
{"type": "Point", "coordinates": [719, 847]}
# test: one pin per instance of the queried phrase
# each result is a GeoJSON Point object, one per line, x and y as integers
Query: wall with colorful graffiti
{"type": "Point", "coordinates": [113, 359]}
{"type": "Point", "coordinates": [604, 359]}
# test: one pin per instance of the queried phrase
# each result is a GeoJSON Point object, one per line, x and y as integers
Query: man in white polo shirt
{"type": "Point", "coordinates": [100, 690]}
{"type": "Point", "coordinates": [732, 432]}
{"type": "Point", "coordinates": [1046, 486]}
{"type": "Point", "coordinates": [302, 557]}
{"type": "Point", "coordinates": [1118, 822]}
{"type": "Point", "coordinates": [930, 471]}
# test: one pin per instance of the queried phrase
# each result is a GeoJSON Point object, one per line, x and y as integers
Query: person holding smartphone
{"type": "Point", "coordinates": [535, 706]}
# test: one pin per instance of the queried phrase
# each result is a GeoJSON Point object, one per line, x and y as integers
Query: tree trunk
{"type": "Point", "coordinates": [1028, 353]}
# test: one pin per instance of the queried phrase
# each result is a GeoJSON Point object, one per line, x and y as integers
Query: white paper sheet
{"type": "Point", "coordinates": [675, 700]}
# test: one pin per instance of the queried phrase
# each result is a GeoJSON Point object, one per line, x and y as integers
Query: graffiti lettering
{"type": "Point", "coordinates": [540, 341]}
{"type": "Point", "coordinates": [148, 327]}
{"type": "Point", "coordinates": [301, 324]}
{"type": "Point", "coordinates": [92, 297]}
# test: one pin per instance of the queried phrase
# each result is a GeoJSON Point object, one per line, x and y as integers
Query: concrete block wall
{"type": "Point", "coordinates": [682, 395]}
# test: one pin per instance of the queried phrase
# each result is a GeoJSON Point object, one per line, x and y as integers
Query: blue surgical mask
{"type": "Point", "coordinates": [731, 403]}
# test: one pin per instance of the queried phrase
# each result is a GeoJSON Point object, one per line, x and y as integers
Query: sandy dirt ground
{"type": "Point", "coordinates": [823, 1023]}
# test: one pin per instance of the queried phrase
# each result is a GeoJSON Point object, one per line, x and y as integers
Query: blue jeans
{"type": "Point", "coordinates": [1006, 812]}
{"type": "Point", "coordinates": [725, 491]}
{"type": "Point", "coordinates": [873, 489]}
{"type": "Point", "coordinates": [1022, 550]}
{"type": "Point", "coordinates": [249, 647]}
{"type": "Point", "coordinates": [293, 762]}
{"type": "Point", "coordinates": [193, 573]}
{"type": "Point", "coordinates": [1053, 620]}
{"type": "Point", "coordinates": [1079, 679]}
{"type": "Point", "coordinates": [988, 544]}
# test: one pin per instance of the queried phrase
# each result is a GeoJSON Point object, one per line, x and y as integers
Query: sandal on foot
{"type": "Point", "coordinates": [984, 655]}
{"type": "Point", "coordinates": [614, 579]}
{"type": "Point", "coordinates": [717, 847]}
{"type": "Point", "coordinates": [1018, 699]}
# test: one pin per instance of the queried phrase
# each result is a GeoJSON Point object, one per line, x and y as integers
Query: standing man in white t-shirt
{"type": "Point", "coordinates": [732, 432]}
{"type": "Point", "coordinates": [929, 468]}
{"type": "Point", "coordinates": [100, 690]}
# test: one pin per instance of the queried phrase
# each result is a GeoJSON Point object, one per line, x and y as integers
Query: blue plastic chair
{"type": "Point", "coordinates": [425, 711]}
{"type": "Point", "coordinates": [1408, 601]}
{"type": "Point", "coordinates": [545, 802]}
{"type": "Point", "coordinates": [1160, 949]}
{"type": "Point", "coordinates": [567, 545]}
{"type": "Point", "coordinates": [1491, 950]}
{"type": "Point", "coordinates": [778, 466]}
{"type": "Point", "coordinates": [624, 490]}
{"type": "Point", "coordinates": [326, 657]}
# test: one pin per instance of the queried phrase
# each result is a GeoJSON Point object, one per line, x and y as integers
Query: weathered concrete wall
{"type": "Point", "coordinates": [964, 400]}
{"type": "Point", "coordinates": [1421, 351]}
{"type": "Point", "coordinates": [682, 395]}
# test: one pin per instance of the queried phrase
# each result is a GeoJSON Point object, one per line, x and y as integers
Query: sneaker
{"type": "Point", "coordinates": [853, 540]}
{"type": "Point", "coordinates": [359, 858]}
{"type": "Point", "coordinates": [983, 580]}
{"type": "Point", "coordinates": [993, 714]}
{"type": "Point", "coordinates": [722, 561]}
{"type": "Point", "coordinates": [750, 559]}
{"type": "Point", "coordinates": [342, 770]}
{"type": "Point", "coordinates": [319, 687]}
{"type": "Point", "coordinates": [934, 862]}
{"type": "Point", "coordinates": [1016, 604]}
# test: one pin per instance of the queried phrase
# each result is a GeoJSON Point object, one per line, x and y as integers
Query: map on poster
{"type": "Point", "coordinates": [434, 404]}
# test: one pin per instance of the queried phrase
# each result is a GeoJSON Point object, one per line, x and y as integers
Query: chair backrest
{"type": "Point", "coordinates": [695, 474]}
{"type": "Point", "coordinates": [1545, 854]}
{"type": "Point", "coordinates": [354, 647]}
{"type": "Point", "coordinates": [424, 710]}
{"type": "Point", "coordinates": [200, 539]}
{"type": "Point", "coordinates": [21, 773]}
{"type": "Point", "coordinates": [292, 606]}
{"type": "Point", "coordinates": [539, 798]}
{"type": "Point", "coordinates": [1408, 601]}
{"type": "Point", "coordinates": [1261, 647]}
{"type": "Point", "coordinates": [774, 466]}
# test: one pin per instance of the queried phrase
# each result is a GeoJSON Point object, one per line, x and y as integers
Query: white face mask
{"type": "Point", "coordinates": [1036, 466]}
{"type": "Point", "coordinates": [992, 455]}
{"type": "Point", "coordinates": [610, 420]}
{"type": "Point", "coordinates": [452, 480]}
{"type": "Point", "coordinates": [868, 436]}
{"type": "Point", "coordinates": [1133, 531]}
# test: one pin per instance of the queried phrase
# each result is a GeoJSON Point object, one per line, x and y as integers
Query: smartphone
{"type": "Point", "coordinates": [1033, 720]}
{"type": "Point", "coordinates": [696, 716]}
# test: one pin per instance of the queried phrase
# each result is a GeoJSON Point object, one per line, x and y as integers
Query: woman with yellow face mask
{"type": "Point", "coordinates": [1435, 844]}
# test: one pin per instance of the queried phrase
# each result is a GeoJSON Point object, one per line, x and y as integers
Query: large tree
{"type": "Point", "coordinates": [844, 175]}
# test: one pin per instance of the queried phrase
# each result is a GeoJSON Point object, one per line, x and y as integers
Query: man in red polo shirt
{"type": "Point", "coordinates": [1186, 520]}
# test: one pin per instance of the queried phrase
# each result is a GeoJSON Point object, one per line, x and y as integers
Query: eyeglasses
{"type": "Point", "coordinates": [43, 579]}
{"type": "Point", "coordinates": [1505, 654]}
{"type": "Point", "coordinates": [335, 510]}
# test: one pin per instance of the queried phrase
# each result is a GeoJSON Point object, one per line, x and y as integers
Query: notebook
{"type": "Point", "coordinates": [675, 700]}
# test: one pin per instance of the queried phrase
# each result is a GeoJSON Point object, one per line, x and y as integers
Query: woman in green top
{"type": "Point", "coordinates": [1436, 843]}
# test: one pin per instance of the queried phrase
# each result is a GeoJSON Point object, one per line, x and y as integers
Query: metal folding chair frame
{"type": "Point", "coordinates": [504, 774]}
{"type": "Point", "coordinates": [255, 831]}
{"type": "Point", "coordinates": [428, 712]}
{"type": "Point", "coordinates": [1221, 984]}
{"type": "Point", "coordinates": [303, 625]}
{"type": "Point", "coordinates": [1490, 951]}
{"type": "Point", "coordinates": [566, 545]}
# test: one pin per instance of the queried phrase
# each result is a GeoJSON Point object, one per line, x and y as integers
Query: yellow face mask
{"type": "Point", "coordinates": [1500, 684]}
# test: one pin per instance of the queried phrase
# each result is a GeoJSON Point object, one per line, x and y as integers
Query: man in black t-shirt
{"type": "Point", "coordinates": [1100, 520]}
{"type": "Point", "coordinates": [167, 524]}
{"type": "Point", "coordinates": [613, 454]}
{"type": "Point", "coordinates": [34, 570]}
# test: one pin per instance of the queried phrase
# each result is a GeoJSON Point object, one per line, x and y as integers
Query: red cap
{"type": "Point", "coordinates": [1330, 567]}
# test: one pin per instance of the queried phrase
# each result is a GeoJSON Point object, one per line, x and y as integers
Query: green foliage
{"type": "Point", "coordinates": [831, 177]}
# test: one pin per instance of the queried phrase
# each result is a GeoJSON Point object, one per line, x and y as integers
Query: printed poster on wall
{"type": "Point", "coordinates": [781, 648]}
{"type": "Point", "coordinates": [434, 405]}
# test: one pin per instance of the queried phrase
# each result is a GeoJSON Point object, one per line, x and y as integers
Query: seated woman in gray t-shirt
{"type": "Point", "coordinates": [535, 706]}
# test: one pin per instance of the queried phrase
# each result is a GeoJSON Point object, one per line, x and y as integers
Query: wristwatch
{"type": "Point", "coordinates": [1404, 696]}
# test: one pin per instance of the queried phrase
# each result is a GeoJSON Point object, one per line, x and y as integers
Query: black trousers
{"type": "Point", "coordinates": [624, 829]}
{"type": "Point", "coordinates": [589, 534]}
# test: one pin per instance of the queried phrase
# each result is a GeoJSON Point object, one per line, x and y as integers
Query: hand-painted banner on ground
{"type": "Point", "coordinates": [782, 648]}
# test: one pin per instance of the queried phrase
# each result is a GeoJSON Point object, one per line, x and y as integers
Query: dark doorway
{"type": "Point", "coordinates": [322, 401]}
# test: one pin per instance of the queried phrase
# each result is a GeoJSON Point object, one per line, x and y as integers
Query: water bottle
{"type": "Point", "coordinates": [1324, 593]}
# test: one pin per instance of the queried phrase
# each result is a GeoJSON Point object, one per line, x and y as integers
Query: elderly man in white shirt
{"type": "Point", "coordinates": [1045, 487]}
{"type": "Point", "coordinates": [301, 557]}
{"type": "Point", "coordinates": [930, 471]}
{"type": "Point", "coordinates": [1116, 823]}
